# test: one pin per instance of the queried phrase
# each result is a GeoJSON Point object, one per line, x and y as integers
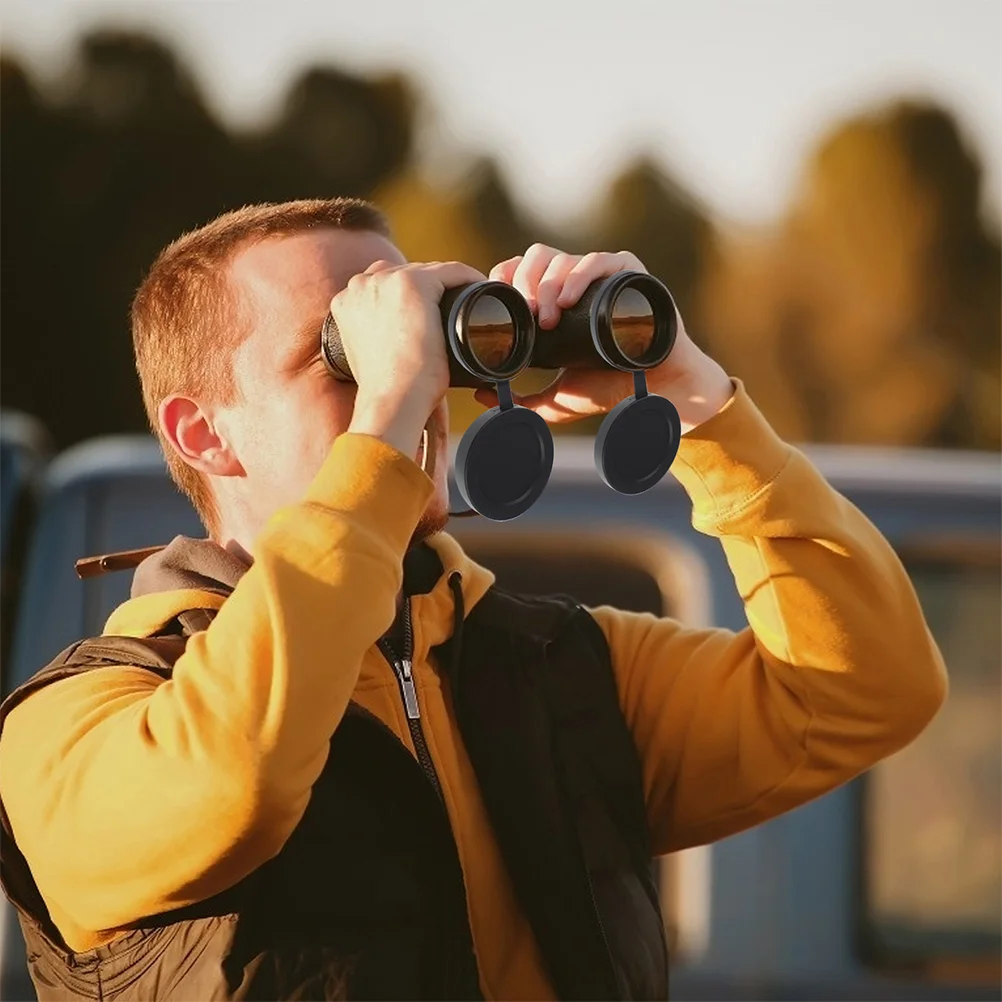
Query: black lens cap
{"type": "Point", "coordinates": [504, 461]}
{"type": "Point", "coordinates": [637, 443]}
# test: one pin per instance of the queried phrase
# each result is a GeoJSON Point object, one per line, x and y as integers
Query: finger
{"type": "Point", "coordinates": [591, 267]}
{"type": "Point", "coordinates": [378, 266]}
{"type": "Point", "coordinates": [549, 288]}
{"type": "Point", "coordinates": [505, 270]}
{"type": "Point", "coordinates": [488, 396]}
{"type": "Point", "coordinates": [527, 275]}
{"type": "Point", "coordinates": [560, 403]}
{"type": "Point", "coordinates": [453, 273]}
{"type": "Point", "coordinates": [554, 411]}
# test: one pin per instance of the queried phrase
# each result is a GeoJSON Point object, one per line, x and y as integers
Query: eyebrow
{"type": "Point", "coordinates": [308, 333]}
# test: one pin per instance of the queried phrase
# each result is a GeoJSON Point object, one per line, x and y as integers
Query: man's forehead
{"type": "Point", "coordinates": [309, 266]}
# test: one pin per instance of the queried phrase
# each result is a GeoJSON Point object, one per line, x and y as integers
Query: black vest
{"type": "Point", "coordinates": [366, 898]}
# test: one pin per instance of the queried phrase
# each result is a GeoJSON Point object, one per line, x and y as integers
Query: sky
{"type": "Point", "coordinates": [730, 95]}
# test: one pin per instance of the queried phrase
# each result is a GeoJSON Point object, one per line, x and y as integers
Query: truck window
{"type": "Point", "coordinates": [933, 813]}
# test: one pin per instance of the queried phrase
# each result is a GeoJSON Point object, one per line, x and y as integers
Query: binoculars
{"type": "Point", "coordinates": [626, 322]}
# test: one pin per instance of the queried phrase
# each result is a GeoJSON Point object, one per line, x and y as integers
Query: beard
{"type": "Point", "coordinates": [434, 520]}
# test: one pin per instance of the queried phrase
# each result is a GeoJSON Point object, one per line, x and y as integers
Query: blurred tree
{"type": "Point", "coordinates": [433, 224]}
{"type": "Point", "coordinates": [962, 271]}
{"type": "Point", "coordinates": [492, 211]}
{"type": "Point", "coordinates": [872, 313]}
{"type": "Point", "coordinates": [101, 173]}
{"type": "Point", "coordinates": [475, 221]}
{"type": "Point", "coordinates": [101, 180]}
{"type": "Point", "coordinates": [743, 309]}
{"type": "Point", "coordinates": [337, 134]}
{"type": "Point", "coordinates": [29, 148]}
{"type": "Point", "coordinates": [646, 211]}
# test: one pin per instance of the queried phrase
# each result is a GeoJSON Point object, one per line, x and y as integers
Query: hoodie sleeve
{"type": "Point", "coordinates": [836, 670]}
{"type": "Point", "coordinates": [130, 796]}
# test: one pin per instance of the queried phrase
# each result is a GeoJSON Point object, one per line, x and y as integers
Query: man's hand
{"type": "Point", "coordinates": [391, 329]}
{"type": "Point", "coordinates": [552, 281]}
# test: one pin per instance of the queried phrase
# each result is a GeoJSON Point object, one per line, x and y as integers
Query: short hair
{"type": "Point", "coordinates": [186, 303]}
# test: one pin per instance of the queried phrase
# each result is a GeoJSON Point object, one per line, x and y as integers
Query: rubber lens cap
{"type": "Point", "coordinates": [504, 462]}
{"type": "Point", "coordinates": [637, 443]}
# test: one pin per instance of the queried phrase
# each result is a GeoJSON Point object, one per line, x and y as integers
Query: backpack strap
{"type": "Point", "coordinates": [538, 710]}
{"type": "Point", "coordinates": [603, 779]}
{"type": "Point", "coordinates": [157, 654]}
{"type": "Point", "coordinates": [188, 622]}
{"type": "Point", "coordinates": [595, 741]}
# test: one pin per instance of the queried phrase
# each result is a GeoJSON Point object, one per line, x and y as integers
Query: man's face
{"type": "Point", "coordinates": [289, 409]}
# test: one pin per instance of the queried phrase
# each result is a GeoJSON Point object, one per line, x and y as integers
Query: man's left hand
{"type": "Point", "coordinates": [552, 281]}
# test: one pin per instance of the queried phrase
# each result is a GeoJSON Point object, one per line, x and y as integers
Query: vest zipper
{"type": "Point", "coordinates": [403, 668]}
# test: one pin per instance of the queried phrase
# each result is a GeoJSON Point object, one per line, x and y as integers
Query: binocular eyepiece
{"type": "Point", "coordinates": [627, 321]}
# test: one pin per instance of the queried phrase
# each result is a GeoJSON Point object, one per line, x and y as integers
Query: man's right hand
{"type": "Point", "coordinates": [391, 330]}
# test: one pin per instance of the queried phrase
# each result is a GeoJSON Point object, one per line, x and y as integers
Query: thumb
{"type": "Point", "coordinates": [486, 396]}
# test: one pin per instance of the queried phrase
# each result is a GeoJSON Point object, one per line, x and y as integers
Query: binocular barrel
{"type": "Point", "coordinates": [627, 321]}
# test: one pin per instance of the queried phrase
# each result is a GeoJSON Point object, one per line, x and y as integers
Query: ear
{"type": "Point", "coordinates": [195, 438]}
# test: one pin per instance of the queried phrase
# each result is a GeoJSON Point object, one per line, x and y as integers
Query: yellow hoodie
{"type": "Point", "coordinates": [130, 796]}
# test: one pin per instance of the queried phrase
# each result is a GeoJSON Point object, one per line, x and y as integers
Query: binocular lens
{"type": "Point", "coordinates": [633, 324]}
{"type": "Point", "coordinates": [489, 332]}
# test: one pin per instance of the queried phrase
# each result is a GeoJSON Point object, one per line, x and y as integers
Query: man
{"type": "Point", "coordinates": [319, 756]}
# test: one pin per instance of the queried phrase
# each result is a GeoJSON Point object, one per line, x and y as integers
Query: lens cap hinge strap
{"type": "Point", "coordinates": [505, 399]}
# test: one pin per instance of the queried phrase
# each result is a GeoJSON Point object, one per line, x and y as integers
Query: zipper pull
{"type": "Point", "coordinates": [409, 691]}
